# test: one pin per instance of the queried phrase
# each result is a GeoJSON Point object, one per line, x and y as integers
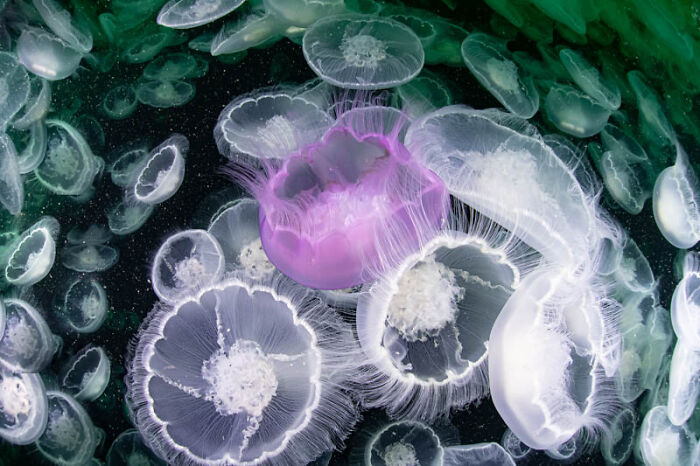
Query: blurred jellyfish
{"type": "Point", "coordinates": [363, 51]}
{"type": "Point", "coordinates": [128, 449]}
{"type": "Point", "coordinates": [617, 442]}
{"type": "Point", "coordinates": [70, 437]}
{"type": "Point", "coordinates": [33, 254]}
{"type": "Point", "coordinates": [14, 87]}
{"type": "Point", "coordinates": [515, 448]}
{"type": "Point", "coordinates": [46, 55]}
{"type": "Point", "coordinates": [37, 105]}
{"type": "Point", "coordinates": [120, 102]}
{"type": "Point", "coordinates": [88, 258]}
{"type": "Point", "coordinates": [423, 95]}
{"type": "Point", "coordinates": [303, 13]}
{"type": "Point", "coordinates": [84, 305]}
{"type": "Point", "coordinates": [86, 374]}
{"type": "Point", "coordinates": [170, 67]}
{"type": "Point", "coordinates": [185, 14]}
{"type": "Point", "coordinates": [62, 24]}
{"type": "Point", "coordinates": [164, 94]}
{"type": "Point", "coordinates": [128, 215]}
{"type": "Point", "coordinates": [27, 344]}
{"type": "Point", "coordinates": [291, 360]}
{"type": "Point", "coordinates": [163, 173]}
{"type": "Point", "coordinates": [685, 304]}
{"type": "Point", "coordinates": [491, 63]}
{"type": "Point", "coordinates": [257, 28]}
{"type": "Point", "coordinates": [634, 271]}
{"type": "Point", "coordinates": [662, 443]}
{"type": "Point", "coordinates": [589, 79]}
{"type": "Point", "coordinates": [269, 125]}
{"type": "Point", "coordinates": [11, 188]}
{"type": "Point", "coordinates": [652, 117]}
{"type": "Point", "coordinates": [147, 47]}
{"type": "Point", "coordinates": [684, 383]}
{"type": "Point", "coordinates": [31, 147]}
{"type": "Point", "coordinates": [185, 262]}
{"type": "Point", "coordinates": [480, 453]}
{"type": "Point", "coordinates": [574, 112]}
{"type": "Point", "coordinates": [94, 234]}
{"type": "Point", "coordinates": [126, 168]}
{"type": "Point", "coordinates": [23, 406]}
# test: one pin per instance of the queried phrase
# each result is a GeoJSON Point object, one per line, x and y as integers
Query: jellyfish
{"type": "Point", "coordinates": [269, 125]}
{"type": "Point", "coordinates": [185, 262]}
{"type": "Point", "coordinates": [303, 13]}
{"type": "Point", "coordinates": [36, 106]}
{"type": "Point", "coordinates": [662, 443]}
{"type": "Point", "coordinates": [423, 95]}
{"type": "Point", "coordinates": [290, 357]}
{"type": "Point", "coordinates": [84, 305]}
{"type": "Point", "coordinates": [70, 437]}
{"type": "Point", "coordinates": [147, 47]}
{"type": "Point", "coordinates": [170, 67]}
{"type": "Point", "coordinates": [120, 102]}
{"type": "Point", "coordinates": [447, 50]}
{"type": "Point", "coordinates": [634, 271]}
{"type": "Point", "coordinates": [617, 442]}
{"type": "Point", "coordinates": [684, 383]}
{"type": "Point", "coordinates": [492, 64]}
{"type": "Point", "coordinates": [685, 304]}
{"type": "Point", "coordinates": [62, 24]}
{"type": "Point", "coordinates": [128, 215]}
{"type": "Point", "coordinates": [92, 130]}
{"type": "Point", "coordinates": [164, 94]}
{"type": "Point", "coordinates": [27, 344]}
{"type": "Point", "coordinates": [363, 51]}
{"type": "Point", "coordinates": [11, 188]}
{"type": "Point", "coordinates": [125, 169]}
{"type": "Point", "coordinates": [86, 374]}
{"type": "Point", "coordinates": [128, 449]}
{"type": "Point", "coordinates": [86, 258]}
{"type": "Point", "coordinates": [574, 112]}
{"type": "Point", "coordinates": [33, 254]}
{"type": "Point", "coordinates": [652, 117]}
{"type": "Point", "coordinates": [23, 406]}
{"type": "Point", "coordinates": [489, 453]}
{"type": "Point", "coordinates": [14, 87]}
{"type": "Point", "coordinates": [401, 443]}
{"type": "Point", "coordinates": [46, 55]}
{"type": "Point", "coordinates": [94, 234]}
{"type": "Point", "coordinates": [257, 28]}
{"type": "Point", "coordinates": [515, 448]}
{"type": "Point", "coordinates": [31, 147]}
{"type": "Point", "coordinates": [163, 173]}
{"type": "Point", "coordinates": [589, 79]}
{"type": "Point", "coordinates": [421, 26]}
{"type": "Point", "coordinates": [185, 14]}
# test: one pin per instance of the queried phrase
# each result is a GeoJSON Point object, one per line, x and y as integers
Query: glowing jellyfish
{"type": "Point", "coordinates": [617, 442]}
{"type": "Point", "coordinates": [676, 202]}
{"type": "Point", "coordinates": [128, 449]}
{"type": "Point", "coordinates": [515, 448]}
{"type": "Point", "coordinates": [574, 112]}
{"type": "Point", "coordinates": [33, 254]}
{"type": "Point", "coordinates": [128, 215]}
{"type": "Point", "coordinates": [31, 147]}
{"type": "Point", "coordinates": [185, 14]}
{"type": "Point", "coordinates": [14, 87]}
{"type": "Point", "coordinates": [255, 29]}
{"type": "Point", "coordinates": [480, 453]}
{"type": "Point", "coordinates": [88, 258]}
{"type": "Point", "coordinates": [185, 262]}
{"type": "Point", "coordinates": [492, 64]}
{"type": "Point", "coordinates": [126, 168]}
{"type": "Point", "coordinates": [86, 374]}
{"type": "Point", "coordinates": [23, 406]}
{"type": "Point", "coordinates": [27, 345]}
{"type": "Point", "coordinates": [37, 105]}
{"type": "Point", "coordinates": [170, 67]}
{"type": "Point", "coordinates": [69, 166]}
{"type": "Point", "coordinates": [164, 94]}
{"type": "Point", "coordinates": [70, 437]}
{"type": "Point", "coordinates": [46, 55]}
{"type": "Point", "coordinates": [662, 443]}
{"type": "Point", "coordinates": [269, 125]}
{"type": "Point", "coordinates": [363, 52]}
{"type": "Point", "coordinates": [84, 305]}
{"type": "Point", "coordinates": [120, 102]}
{"type": "Point", "coordinates": [11, 188]}
{"type": "Point", "coordinates": [589, 79]}
{"type": "Point", "coordinates": [291, 360]}
{"type": "Point", "coordinates": [163, 173]}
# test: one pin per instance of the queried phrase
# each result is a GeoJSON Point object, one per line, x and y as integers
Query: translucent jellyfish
{"type": "Point", "coordinates": [402, 443]}
{"type": "Point", "coordinates": [11, 188]}
{"type": "Point", "coordinates": [269, 125]}
{"type": "Point", "coordinates": [120, 102]}
{"type": "Point", "coordinates": [185, 14]}
{"type": "Point", "coordinates": [652, 117]}
{"type": "Point", "coordinates": [676, 202]}
{"type": "Point", "coordinates": [128, 215]}
{"type": "Point", "coordinates": [684, 383]}
{"type": "Point", "coordinates": [126, 168]}
{"type": "Point", "coordinates": [363, 52]}
{"type": "Point", "coordinates": [185, 262]}
{"type": "Point", "coordinates": [88, 258]}
{"type": "Point", "coordinates": [662, 443]}
{"type": "Point", "coordinates": [424, 29]}
{"type": "Point", "coordinates": [589, 79]}
{"type": "Point", "coordinates": [170, 67]}
{"type": "Point", "coordinates": [128, 449]}
{"type": "Point", "coordinates": [634, 271]}
{"type": "Point", "coordinates": [255, 29]}
{"type": "Point", "coordinates": [63, 25]}
{"type": "Point", "coordinates": [515, 448]}
{"type": "Point", "coordinates": [480, 453]}
{"type": "Point", "coordinates": [685, 304]}
{"type": "Point", "coordinates": [14, 87]}
{"type": "Point", "coordinates": [423, 95]}
{"type": "Point", "coordinates": [69, 166]}
{"type": "Point", "coordinates": [86, 374]}
{"type": "Point", "coordinates": [492, 64]}
{"type": "Point", "coordinates": [23, 406]}
{"type": "Point", "coordinates": [574, 112]}
{"type": "Point", "coordinates": [303, 13]}
{"type": "Point", "coordinates": [70, 437]}
{"type": "Point", "coordinates": [31, 147]}
{"type": "Point", "coordinates": [94, 234]}
{"type": "Point", "coordinates": [291, 358]}
{"type": "Point", "coordinates": [46, 55]}
{"type": "Point", "coordinates": [27, 345]}
{"type": "Point", "coordinates": [164, 94]}
{"type": "Point", "coordinates": [33, 254]}
{"type": "Point", "coordinates": [37, 105]}
{"type": "Point", "coordinates": [164, 171]}
{"type": "Point", "coordinates": [147, 47]}
{"type": "Point", "coordinates": [617, 442]}
{"type": "Point", "coordinates": [84, 305]}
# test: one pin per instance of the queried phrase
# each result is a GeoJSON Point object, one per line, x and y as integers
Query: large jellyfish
{"type": "Point", "coordinates": [14, 87]}
{"type": "Point", "coordinates": [11, 188]}
{"type": "Point", "coordinates": [33, 254]}
{"type": "Point", "coordinates": [185, 14]}
{"type": "Point", "coordinates": [163, 173]}
{"type": "Point", "coordinates": [363, 52]}
{"type": "Point", "coordinates": [23, 406]}
{"type": "Point", "coordinates": [243, 374]}
{"type": "Point", "coordinates": [27, 344]}
{"type": "Point", "coordinates": [87, 373]}
{"type": "Point", "coordinates": [46, 55]}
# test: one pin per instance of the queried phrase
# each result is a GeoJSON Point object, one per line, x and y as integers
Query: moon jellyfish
{"type": "Point", "coordinates": [403, 443]}
{"type": "Point", "coordinates": [128, 215]}
{"type": "Point", "coordinates": [186, 262]}
{"type": "Point", "coordinates": [170, 67]}
{"type": "Point", "coordinates": [662, 443]}
{"type": "Point", "coordinates": [255, 29]}
{"type": "Point", "coordinates": [363, 51]}
{"type": "Point", "coordinates": [423, 95]}
{"type": "Point", "coordinates": [27, 345]}
{"type": "Point", "coordinates": [11, 188]}
{"type": "Point", "coordinates": [685, 304]}
{"type": "Point", "coordinates": [480, 453]}
{"type": "Point", "coordinates": [515, 448]}
{"type": "Point", "coordinates": [684, 383]}
{"type": "Point", "coordinates": [88, 258]}
{"type": "Point", "coordinates": [634, 271]}
{"type": "Point", "coordinates": [492, 64]}
{"type": "Point", "coordinates": [94, 234]}
{"type": "Point", "coordinates": [128, 449]}
{"type": "Point", "coordinates": [575, 113]}
{"type": "Point", "coordinates": [185, 14]}
{"type": "Point", "coordinates": [31, 147]}
{"type": "Point", "coordinates": [33, 254]}
{"type": "Point", "coordinates": [70, 437]}
{"type": "Point", "coordinates": [46, 55]}
{"type": "Point", "coordinates": [86, 374]}
{"type": "Point", "coordinates": [14, 87]}
{"type": "Point", "coordinates": [37, 105]}
{"type": "Point", "coordinates": [126, 168]}
{"type": "Point", "coordinates": [617, 442]}
{"type": "Point", "coordinates": [23, 406]}
{"type": "Point", "coordinates": [589, 79]}
{"type": "Point", "coordinates": [164, 94]}
{"type": "Point", "coordinates": [269, 125]}
{"type": "Point", "coordinates": [163, 173]}
{"type": "Point", "coordinates": [652, 117]}
{"type": "Point", "coordinates": [62, 24]}
{"type": "Point", "coordinates": [291, 362]}
{"type": "Point", "coordinates": [676, 202]}
{"type": "Point", "coordinates": [84, 305]}
{"type": "Point", "coordinates": [303, 13]}
{"type": "Point", "coordinates": [120, 102]}
{"type": "Point", "coordinates": [147, 47]}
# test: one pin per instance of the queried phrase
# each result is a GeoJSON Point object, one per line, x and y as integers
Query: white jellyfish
{"type": "Point", "coordinates": [617, 442]}
{"type": "Point", "coordinates": [14, 87]}
{"type": "Point", "coordinates": [126, 168]}
{"type": "Point", "coordinates": [33, 254]}
{"type": "Point", "coordinates": [255, 29]}
{"type": "Point", "coordinates": [243, 373]}
{"type": "Point", "coordinates": [128, 449]}
{"type": "Point", "coordinates": [634, 271]}
{"type": "Point", "coordinates": [186, 262]}
{"type": "Point", "coordinates": [87, 258]}
{"type": "Point", "coordinates": [363, 51]}
{"type": "Point", "coordinates": [31, 147]}
{"type": "Point", "coordinates": [185, 14]}
{"type": "Point", "coordinates": [685, 304]}
{"type": "Point", "coordinates": [87, 373]}
{"type": "Point", "coordinates": [605, 92]}
{"type": "Point", "coordinates": [46, 55]}
{"type": "Point", "coordinates": [574, 112]}
{"type": "Point", "coordinates": [62, 24]}
{"type": "Point", "coordinates": [84, 305]}
{"type": "Point", "coordinates": [23, 406]}
{"type": "Point", "coordinates": [37, 105]}
{"type": "Point", "coordinates": [164, 94]}
{"type": "Point", "coordinates": [515, 448]}
{"type": "Point", "coordinates": [128, 215]}
{"type": "Point", "coordinates": [303, 13]}
{"type": "Point", "coordinates": [27, 344]}
{"type": "Point", "coordinates": [120, 102]}
{"type": "Point", "coordinates": [684, 383]}
{"type": "Point", "coordinates": [11, 188]}
{"type": "Point", "coordinates": [489, 453]}
{"type": "Point", "coordinates": [163, 173]}
{"type": "Point", "coordinates": [663, 443]}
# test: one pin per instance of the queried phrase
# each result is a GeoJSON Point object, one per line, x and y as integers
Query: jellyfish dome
{"type": "Point", "coordinates": [62, 24]}
{"type": "Point", "coordinates": [120, 102]}
{"type": "Point", "coordinates": [27, 344]}
{"type": "Point", "coordinates": [128, 215]}
{"type": "Point", "coordinates": [185, 14]}
{"type": "Point", "coordinates": [661, 442]}
{"type": "Point", "coordinates": [162, 175]}
{"type": "Point", "coordinates": [46, 55]}
{"type": "Point", "coordinates": [37, 105]}
{"type": "Point", "coordinates": [404, 443]}
{"type": "Point", "coordinates": [88, 258]}
{"type": "Point", "coordinates": [164, 94]}
{"type": "Point", "coordinates": [84, 305]}
{"type": "Point", "coordinates": [363, 51]}
{"type": "Point", "coordinates": [243, 373]}
{"type": "Point", "coordinates": [489, 453]}
{"type": "Point", "coordinates": [34, 253]}
{"type": "Point", "coordinates": [14, 87]}
{"type": "Point", "coordinates": [128, 449]}
{"type": "Point", "coordinates": [125, 170]}
{"type": "Point", "coordinates": [87, 373]}
{"type": "Point", "coordinates": [23, 406]}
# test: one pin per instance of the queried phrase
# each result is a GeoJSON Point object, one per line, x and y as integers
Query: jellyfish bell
{"type": "Point", "coordinates": [128, 449]}
{"type": "Point", "coordinates": [403, 442]}
{"type": "Point", "coordinates": [185, 14]}
{"type": "Point", "coordinates": [489, 453]}
{"type": "Point", "coordinates": [14, 87]}
{"type": "Point", "coordinates": [33, 253]}
{"type": "Point", "coordinates": [685, 303]}
{"type": "Point", "coordinates": [88, 258]}
{"type": "Point", "coordinates": [11, 187]}
{"type": "Point", "coordinates": [120, 102]}
{"type": "Point", "coordinates": [46, 55]}
{"type": "Point", "coordinates": [163, 173]}
{"type": "Point", "coordinates": [27, 344]}
{"type": "Point", "coordinates": [86, 374]}
{"type": "Point", "coordinates": [165, 94]}
{"type": "Point", "coordinates": [37, 105]}
{"type": "Point", "coordinates": [84, 304]}
{"type": "Point", "coordinates": [23, 406]}
{"type": "Point", "coordinates": [128, 215]}
{"type": "Point", "coordinates": [661, 442]}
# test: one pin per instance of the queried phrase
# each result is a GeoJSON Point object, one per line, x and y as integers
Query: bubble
{"type": "Point", "coordinates": [11, 188]}
{"type": "Point", "coordinates": [27, 344]}
{"type": "Point", "coordinates": [23, 406]}
{"type": "Point", "coordinates": [86, 374]}
{"type": "Point", "coordinates": [185, 14]}
{"type": "Point", "coordinates": [63, 25]}
{"type": "Point", "coordinates": [46, 55]}
{"type": "Point", "coordinates": [14, 87]}
{"type": "Point", "coordinates": [164, 94]}
{"type": "Point", "coordinates": [84, 305]}
{"type": "Point", "coordinates": [33, 254]}
{"type": "Point", "coordinates": [163, 173]}
{"type": "Point", "coordinates": [120, 102]}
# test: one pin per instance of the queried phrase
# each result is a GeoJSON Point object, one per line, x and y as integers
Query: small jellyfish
{"type": "Point", "coordinates": [128, 449]}
{"type": "Point", "coordinates": [164, 94]}
{"type": "Point", "coordinates": [652, 118]}
{"type": "Point", "coordinates": [37, 105]}
{"type": "Point", "coordinates": [86, 258]}
{"type": "Point", "coordinates": [170, 67]}
{"type": "Point", "coordinates": [423, 95]}
{"type": "Point", "coordinates": [27, 345]}
{"type": "Point", "coordinates": [64, 26]}
{"type": "Point", "coordinates": [662, 443]}
{"type": "Point", "coordinates": [303, 13]}
{"type": "Point", "coordinates": [84, 305]}
{"type": "Point", "coordinates": [23, 406]}
{"type": "Point", "coordinates": [589, 79]}
{"type": "Point", "coordinates": [163, 173]}
{"type": "Point", "coordinates": [11, 187]}
{"type": "Point", "coordinates": [424, 29]}
{"type": "Point", "coordinates": [86, 374]}
{"type": "Point", "coordinates": [402, 443]}
{"type": "Point", "coordinates": [33, 253]}
{"type": "Point", "coordinates": [290, 360]}
{"type": "Point", "coordinates": [128, 215]}
{"type": "Point", "coordinates": [120, 102]}
{"type": "Point", "coordinates": [31, 147]}
{"type": "Point", "coordinates": [684, 383]}
{"type": "Point", "coordinates": [515, 448]}
{"type": "Point", "coordinates": [480, 453]}
{"type": "Point", "coordinates": [617, 442]}
{"type": "Point", "coordinates": [185, 14]}
{"type": "Point", "coordinates": [255, 29]}
{"type": "Point", "coordinates": [94, 234]}
{"type": "Point", "coordinates": [492, 64]}
{"type": "Point", "coordinates": [46, 55]}
{"type": "Point", "coordinates": [70, 437]}
{"type": "Point", "coordinates": [363, 52]}
{"type": "Point", "coordinates": [574, 112]}
{"type": "Point", "coordinates": [447, 50]}
{"type": "Point", "coordinates": [634, 271]}
{"type": "Point", "coordinates": [126, 168]}
{"type": "Point", "coordinates": [185, 262]}
{"type": "Point", "coordinates": [14, 87]}
{"type": "Point", "coordinates": [147, 47]}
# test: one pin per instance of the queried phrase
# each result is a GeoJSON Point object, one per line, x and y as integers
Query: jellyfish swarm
{"type": "Point", "coordinates": [87, 373]}
{"type": "Point", "coordinates": [243, 373]}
